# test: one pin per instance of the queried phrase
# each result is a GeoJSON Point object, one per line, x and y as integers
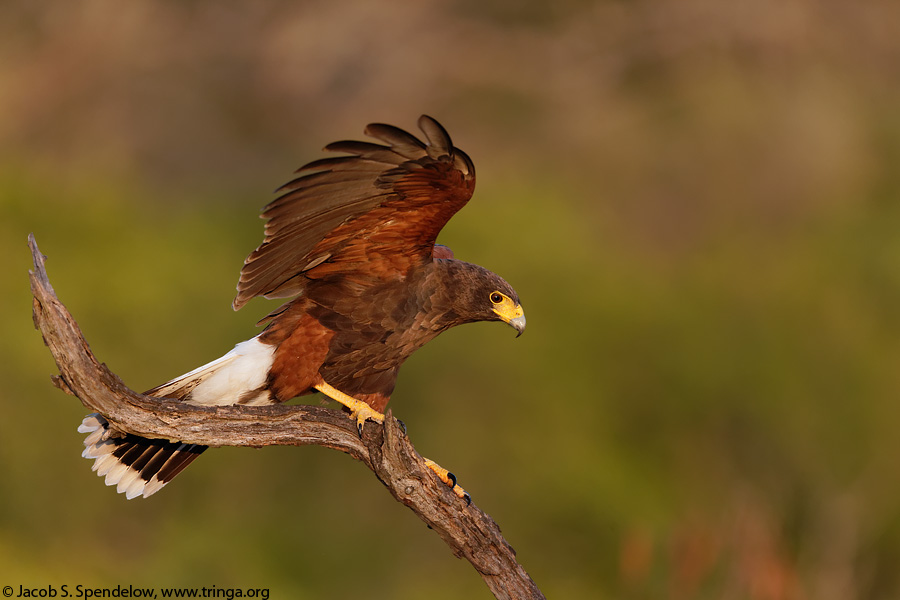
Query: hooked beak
{"type": "Point", "coordinates": [518, 324]}
{"type": "Point", "coordinates": [514, 315]}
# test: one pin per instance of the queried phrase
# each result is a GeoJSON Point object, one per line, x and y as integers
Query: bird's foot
{"type": "Point", "coordinates": [362, 413]}
{"type": "Point", "coordinates": [449, 480]}
{"type": "Point", "coordinates": [359, 410]}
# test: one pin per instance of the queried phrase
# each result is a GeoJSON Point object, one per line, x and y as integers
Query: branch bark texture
{"type": "Point", "coordinates": [386, 450]}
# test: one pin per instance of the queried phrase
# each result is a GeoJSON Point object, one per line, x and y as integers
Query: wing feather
{"type": "Point", "coordinates": [401, 142]}
{"type": "Point", "coordinates": [389, 201]}
{"type": "Point", "coordinates": [439, 140]}
{"type": "Point", "coordinates": [365, 150]}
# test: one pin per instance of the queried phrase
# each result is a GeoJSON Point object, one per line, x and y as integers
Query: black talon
{"type": "Point", "coordinates": [402, 426]}
{"type": "Point", "coordinates": [359, 428]}
{"type": "Point", "coordinates": [468, 498]}
{"type": "Point", "coordinates": [452, 479]}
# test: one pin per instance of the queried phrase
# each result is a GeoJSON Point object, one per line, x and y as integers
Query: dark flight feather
{"type": "Point", "coordinates": [393, 199]}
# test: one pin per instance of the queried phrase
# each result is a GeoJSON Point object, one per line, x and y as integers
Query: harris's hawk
{"type": "Point", "coordinates": [352, 240]}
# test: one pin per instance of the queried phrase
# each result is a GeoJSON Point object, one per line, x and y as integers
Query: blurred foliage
{"type": "Point", "coordinates": [697, 202]}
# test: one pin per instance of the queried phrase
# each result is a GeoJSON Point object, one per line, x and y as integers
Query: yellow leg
{"type": "Point", "coordinates": [449, 480]}
{"type": "Point", "coordinates": [362, 412]}
{"type": "Point", "coordinates": [359, 410]}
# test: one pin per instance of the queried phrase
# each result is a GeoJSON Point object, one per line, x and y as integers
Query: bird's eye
{"type": "Point", "coordinates": [496, 297]}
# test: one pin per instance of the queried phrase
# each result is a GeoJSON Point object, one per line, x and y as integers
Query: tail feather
{"type": "Point", "coordinates": [136, 466]}
{"type": "Point", "coordinates": [181, 387]}
{"type": "Point", "coordinates": [139, 466]}
{"type": "Point", "coordinates": [239, 377]}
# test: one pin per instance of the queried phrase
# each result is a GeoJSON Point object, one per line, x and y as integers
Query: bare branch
{"type": "Point", "coordinates": [386, 450]}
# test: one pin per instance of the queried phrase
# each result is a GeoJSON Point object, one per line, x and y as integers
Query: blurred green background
{"type": "Point", "coordinates": [697, 202]}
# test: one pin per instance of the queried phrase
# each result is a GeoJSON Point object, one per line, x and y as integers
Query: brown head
{"type": "Point", "coordinates": [475, 294]}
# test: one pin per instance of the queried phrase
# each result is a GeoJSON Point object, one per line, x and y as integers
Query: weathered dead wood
{"type": "Point", "coordinates": [386, 450]}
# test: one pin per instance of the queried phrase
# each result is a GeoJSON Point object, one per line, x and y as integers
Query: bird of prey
{"type": "Point", "coordinates": [352, 240]}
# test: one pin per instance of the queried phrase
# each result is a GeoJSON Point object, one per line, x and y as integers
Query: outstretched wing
{"type": "Point", "coordinates": [375, 211]}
